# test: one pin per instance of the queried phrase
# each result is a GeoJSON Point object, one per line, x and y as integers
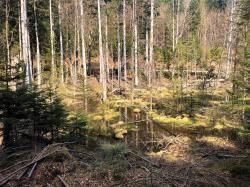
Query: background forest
{"type": "Point", "coordinates": [159, 79]}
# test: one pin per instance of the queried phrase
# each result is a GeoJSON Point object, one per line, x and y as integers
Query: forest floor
{"type": "Point", "coordinates": [129, 144]}
{"type": "Point", "coordinates": [206, 161]}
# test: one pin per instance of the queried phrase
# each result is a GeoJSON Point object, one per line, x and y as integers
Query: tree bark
{"type": "Point", "coordinates": [119, 50]}
{"type": "Point", "coordinates": [102, 73]}
{"type": "Point", "coordinates": [147, 56]}
{"type": "Point", "coordinates": [7, 12]}
{"type": "Point", "coordinates": [106, 46]}
{"type": "Point", "coordinates": [136, 43]}
{"type": "Point", "coordinates": [83, 45]}
{"type": "Point", "coordinates": [230, 39]}
{"type": "Point", "coordinates": [151, 44]}
{"type": "Point", "coordinates": [38, 63]}
{"type": "Point", "coordinates": [52, 38]}
{"type": "Point", "coordinates": [61, 43]}
{"type": "Point", "coordinates": [25, 41]}
{"type": "Point", "coordinates": [124, 42]}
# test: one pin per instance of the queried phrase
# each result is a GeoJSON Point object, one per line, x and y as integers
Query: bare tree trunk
{"type": "Point", "coordinates": [25, 41]}
{"type": "Point", "coordinates": [83, 45]}
{"type": "Point", "coordinates": [124, 42]}
{"type": "Point", "coordinates": [102, 73]}
{"type": "Point", "coordinates": [136, 43]}
{"type": "Point", "coordinates": [75, 45]}
{"type": "Point", "coordinates": [61, 43]}
{"type": "Point", "coordinates": [151, 44]}
{"type": "Point", "coordinates": [30, 58]}
{"type": "Point", "coordinates": [20, 34]}
{"type": "Point", "coordinates": [119, 51]}
{"type": "Point", "coordinates": [230, 39]}
{"type": "Point", "coordinates": [38, 63]}
{"type": "Point", "coordinates": [7, 9]}
{"type": "Point", "coordinates": [173, 71]}
{"type": "Point", "coordinates": [106, 47]}
{"type": "Point", "coordinates": [177, 22]}
{"type": "Point", "coordinates": [147, 57]}
{"type": "Point", "coordinates": [52, 38]}
{"type": "Point", "coordinates": [173, 4]}
{"type": "Point", "coordinates": [78, 39]}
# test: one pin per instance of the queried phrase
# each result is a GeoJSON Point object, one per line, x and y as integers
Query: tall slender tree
{"type": "Point", "coordinates": [135, 43]}
{"type": "Point", "coordinates": [52, 38]}
{"type": "Point", "coordinates": [124, 42]}
{"type": "Point", "coordinates": [61, 43]}
{"type": "Point", "coordinates": [25, 41]}
{"type": "Point", "coordinates": [151, 44]}
{"type": "Point", "coordinates": [38, 63]}
{"type": "Point", "coordinates": [83, 45]}
{"type": "Point", "coordinates": [119, 49]}
{"type": "Point", "coordinates": [102, 73]}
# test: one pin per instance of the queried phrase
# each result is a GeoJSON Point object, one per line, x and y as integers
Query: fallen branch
{"type": "Point", "coordinates": [8, 177]}
{"type": "Point", "coordinates": [13, 165]}
{"type": "Point", "coordinates": [231, 156]}
{"type": "Point", "coordinates": [32, 170]}
{"type": "Point", "coordinates": [18, 154]}
{"type": "Point", "coordinates": [143, 158]}
{"type": "Point", "coordinates": [136, 121]}
{"type": "Point", "coordinates": [63, 181]}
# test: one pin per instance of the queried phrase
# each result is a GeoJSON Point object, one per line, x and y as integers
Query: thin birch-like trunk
{"type": "Point", "coordinates": [38, 63]}
{"type": "Point", "coordinates": [173, 71]}
{"type": "Point", "coordinates": [79, 68]}
{"type": "Point", "coordinates": [52, 38]}
{"type": "Point", "coordinates": [75, 46]}
{"type": "Point", "coordinates": [7, 12]}
{"type": "Point", "coordinates": [61, 44]}
{"type": "Point", "coordinates": [25, 41]}
{"type": "Point", "coordinates": [119, 51]}
{"type": "Point", "coordinates": [136, 43]}
{"type": "Point", "coordinates": [173, 4]}
{"type": "Point", "coordinates": [151, 44]}
{"type": "Point", "coordinates": [20, 34]}
{"type": "Point", "coordinates": [102, 73]}
{"type": "Point", "coordinates": [230, 39]}
{"type": "Point", "coordinates": [124, 42]}
{"type": "Point", "coordinates": [177, 22]}
{"type": "Point", "coordinates": [106, 47]}
{"type": "Point", "coordinates": [146, 56]}
{"type": "Point", "coordinates": [83, 45]}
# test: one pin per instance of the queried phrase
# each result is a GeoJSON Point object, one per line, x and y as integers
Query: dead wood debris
{"type": "Point", "coordinates": [139, 171]}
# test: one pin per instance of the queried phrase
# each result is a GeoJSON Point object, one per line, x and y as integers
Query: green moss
{"type": "Point", "coordinates": [185, 121]}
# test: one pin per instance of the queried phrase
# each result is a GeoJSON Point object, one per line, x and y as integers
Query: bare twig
{"type": "Point", "coordinates": [32, 170]}
{"type": "Point", "coordinates": [63, 181]}
{"type": "Point", "coordinates": [143, 158]}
